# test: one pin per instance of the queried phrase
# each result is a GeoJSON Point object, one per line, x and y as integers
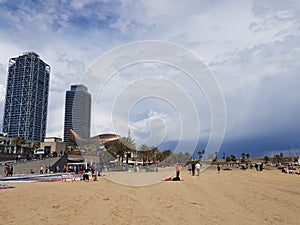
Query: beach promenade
{"type": "Point", "coordinates": [231, 197]}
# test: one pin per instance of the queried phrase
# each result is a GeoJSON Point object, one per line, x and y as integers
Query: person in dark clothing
{"type": "Point", "coordinates": [193, 168]}
{"type": "Point", "coordinates": [261, 167]}
{"type": "Point", "coordinates": [11, 170]}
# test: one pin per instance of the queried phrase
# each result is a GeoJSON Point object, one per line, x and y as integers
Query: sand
{"type": "Point", "coordinates": [231, 197]}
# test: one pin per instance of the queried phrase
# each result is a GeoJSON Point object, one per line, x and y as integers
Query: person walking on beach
{"type": "Point", "coordinates": [218, 168]}
{"type": "Point", "coordinates": [42, 170]}
{"type": "Point", "coordinates": [189, 168]}
{"type": "Point", "coordinates": [198, 166]}
{"type": "Point", "coordinates": [193, 168]}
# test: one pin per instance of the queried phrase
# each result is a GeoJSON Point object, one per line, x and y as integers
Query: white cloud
{"type": "Point", "coordinates": [251, 46]}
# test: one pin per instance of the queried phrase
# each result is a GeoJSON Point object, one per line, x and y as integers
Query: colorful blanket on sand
{"type": "Point", "coordinates": [6, 186]}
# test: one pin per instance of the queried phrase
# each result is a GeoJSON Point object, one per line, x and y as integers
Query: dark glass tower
{"type": "Point", "coordinates": [77, 112]}
{"type": "Point", "coordinates": [27, 89]}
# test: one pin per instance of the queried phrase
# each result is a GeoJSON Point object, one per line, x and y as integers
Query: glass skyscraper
{"type": "Point", "coordinates": [77, 112]}
{"type": "Point", "coordinates": [26, 103]}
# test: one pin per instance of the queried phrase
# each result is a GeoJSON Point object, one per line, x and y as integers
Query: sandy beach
{"type": "Point", "coordinates": [231, 197]}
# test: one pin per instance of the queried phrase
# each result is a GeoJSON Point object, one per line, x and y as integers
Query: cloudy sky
{"type": "Point", "coordinates": [251, 48]}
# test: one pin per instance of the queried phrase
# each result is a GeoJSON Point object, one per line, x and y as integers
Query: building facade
{"type": "Point", "coordinates": [77, 112]}
{"type": "Point", "coordinates": [53, 145]}
{"type": "Point", "coordinates": [26, 102]}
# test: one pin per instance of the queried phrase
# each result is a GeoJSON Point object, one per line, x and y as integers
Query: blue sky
{"type": "Point", "coordinates": [251, 47]}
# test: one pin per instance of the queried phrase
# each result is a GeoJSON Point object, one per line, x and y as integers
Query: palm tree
{"type": "Point", "coordinates": [36, 145]}
{"type": "Point", "coordinates": [248, 156]}
{"type": "Point", "coordinates": [243, 157]}
{"type": "Point", "coordinates": [153, 153]}
{"type": "Point", "coordinates": [277, 158]}
{"type": "Point", "coordinates": [201, 153]}
{"type": "Point", "coordinates": [281, 156]}
{"type": "Point", "coordinates": [18, 142]}
{"type": "Point", "coordinates": [232, 158]}
{"type": "Point", "coordinates": [164, 156]}
{"type": "Point", "coordinates": [266, 159]}
{"type": "Point", "coordinates": [128, 147]}
{"type": "Point", "coordinates": [116, 149]}
{"type": "Point", "coordinates": [121, 147]}
{"type": "Point", "coordinates": [143, 153]}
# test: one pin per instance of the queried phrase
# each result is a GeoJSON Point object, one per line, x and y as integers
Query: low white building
{"type": "Point", "coordinates": [53, 145]}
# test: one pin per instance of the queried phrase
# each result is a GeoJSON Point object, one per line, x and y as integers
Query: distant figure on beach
{"type": "Point", "coordinates": [42, 170]}
{"type": "Point", "coordinates": [177, 168]}
{"type": "Point", "coordinates": [218, 169]}
{"type": "Point", "coordinates": [261, 167]}
{"type": "Point", "coordinates": [193, 168]}
{"type": "Point", "coordinates": [31, 171]}
{"type": "Point", "coordinates": [86, 175]}
{"type": "Point", "coordinates": [6, 170]}
{"type": "Point", "coordinates": [198, 166]}
{"type": "Point", "coordinates": [189, 168]}
{"type": "Point", "coordinates": [11, 170]}
{"type": "Point", "coordinates": [256, 166]}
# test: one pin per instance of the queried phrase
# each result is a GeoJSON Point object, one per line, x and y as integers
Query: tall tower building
{"type": "Point", "coordinates": [77, 112]}
{"type": "Point", "coordinates": [27, 89]}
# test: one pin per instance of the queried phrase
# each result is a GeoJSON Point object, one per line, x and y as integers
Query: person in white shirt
{"type": "Point", "coordinates": [198, 166]}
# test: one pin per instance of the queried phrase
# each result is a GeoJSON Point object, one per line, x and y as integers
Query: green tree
{"type": "Point", "coordinates": [266, 159]}
{"type": "Point", "coordinates": [165, 156]}
{"type": "Point", "coordinates": [36, 145]}
{"type": "Point", "coordinates": [232, 158]}
{"type": "Point", "coordinates": [277, 158]}
{"type": "Point", "coordinates": [129, 146]}
{"type": "Point", "coordinates": [281, 156]}
{"type": "Point", "coordinates": [115, 148]}
{"type": "Point", "coordinates": [121, 147]}
{"type": "Point", "coordinates": [143, 153]}
{"type": "Point", "coordinates": [153, 153]}
{"type": "Point", "coordinates": [243, 157]}
{"type": "Point", "coordinates": [18, 142]}
{"type": "Point", "coordinates": [166, 153]}
{"type": "Point", "coordinates": [248, 156]}
{"type": "Point", "coordinates": [200, 154]}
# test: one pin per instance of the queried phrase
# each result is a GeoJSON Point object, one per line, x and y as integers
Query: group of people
{"type": "Point", "coordinates": [194, 167]}
{"type": "Point", "coordinates": [8, 170]}
{"type": "Point", "coordinates": [47, 169]}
